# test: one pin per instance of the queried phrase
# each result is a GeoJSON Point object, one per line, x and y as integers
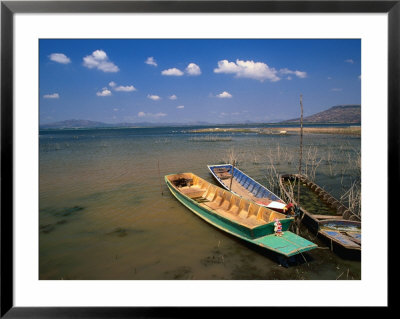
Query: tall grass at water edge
{"type": "Point", "coordinates": [341, 164]}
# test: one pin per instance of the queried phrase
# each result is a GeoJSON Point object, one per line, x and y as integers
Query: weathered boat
{"type": "Point", "coordinates": [244, 186]}
{"type": "Point", "coordinates": [323, 213]}
{"type": "Point", "coordinates": [236, 215]}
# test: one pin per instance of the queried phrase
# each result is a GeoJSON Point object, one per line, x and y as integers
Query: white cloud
{"type": "Point", "coordinates": [248, 69]}
{"type": "Point", "coordinates": [224, 95]}
{"type": "Point", "coordinates": [153, 97]}
{"type": "Point", "coordinates": [115, 109]}
{"type": "Point", "coordinates": [151, 115]}
{"type": "Point", "coordinates": [60, 58]}
{"type": "Point", "coordinates": [99, 60]}
{"type": "Point", "coordinates": [51, 96]}
{"type": "Point", "coordinates": [104, 92]}
{"type": "Point", "coordinates": [180, 107]}
{"type": "Point", "coordinates": [172, 72]}
{"type": "Point", "coordinates": [128, 88]}
{"type": "Point", "coordinates": [173, 97]}
{"type": "Point", "coordinates": [151, 61]}
{"type": "Point", "coordinates": [121, 88]}
{"type": "Point", "coordinates": [349, 61]}
{"type": "Point", "coordinates": [337, 89]}
{"type": "Point", "coordinates": [299, 74]}
{"type": "Point", "coordinates": [193, 69]}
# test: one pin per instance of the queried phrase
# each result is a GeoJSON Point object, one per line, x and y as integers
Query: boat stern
{"type": "Point", "coordinates": [289, 244]}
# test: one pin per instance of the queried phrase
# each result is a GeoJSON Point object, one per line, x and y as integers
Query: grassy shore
{"type": "Point", "coordinates": [222, 130]}
{"type": "Point", "coordinates": [350, 130]}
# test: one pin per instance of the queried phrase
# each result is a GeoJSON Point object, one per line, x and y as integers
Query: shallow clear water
{"type": "Point", "coordinates": [106, 213]}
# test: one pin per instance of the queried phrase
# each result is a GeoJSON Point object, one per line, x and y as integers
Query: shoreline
{"type": "Point", "coordinates": [284, 130]}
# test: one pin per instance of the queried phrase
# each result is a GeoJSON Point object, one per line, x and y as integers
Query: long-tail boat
{"type": "Point", "coordinates": [236, 215]}
{"type": "Point", "coordinates": [323, 213]}
{"type": "Point", "coordinates": [244, 186]}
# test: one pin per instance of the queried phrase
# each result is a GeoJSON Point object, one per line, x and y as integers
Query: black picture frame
{"type": "Point", "coordinates": [9, 8]}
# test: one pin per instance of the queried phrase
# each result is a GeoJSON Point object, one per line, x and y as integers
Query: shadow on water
{"type": "Point", "coordinates": [48, 228]}
{"type": "Point", "coordinates": [123, 232]}
{"type": "Point", "coordinates": [62, 212]}
{"type": "Point", "coordinates": [292, 261]}
{"type": "Point", "coordinates": [280, 259]}
{"type": "Point", "coordinates": [343, 253]}
{"type": "Point", "coordinates": [59, 215]}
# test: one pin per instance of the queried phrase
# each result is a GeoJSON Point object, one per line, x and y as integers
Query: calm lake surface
{"type": "Point", "coordinates": [106, 212]}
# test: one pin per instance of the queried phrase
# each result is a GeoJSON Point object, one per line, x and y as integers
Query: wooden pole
{"type": "Point", "coordinates": [159, 175]}
{"type": "Point", "coordinates": [233, 167]}
{"type": "Point", "coordinates": [300, 160]}
{"type": "Point", "coordinates": [301, 149]}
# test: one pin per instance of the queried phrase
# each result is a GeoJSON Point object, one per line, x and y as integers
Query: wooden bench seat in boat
{"type": "Point", "coordinates": [227, 205]}
{"type": "Point", "coordinates": [192, 191]}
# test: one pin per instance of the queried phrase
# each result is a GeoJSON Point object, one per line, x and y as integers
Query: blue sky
{"type": "Point", "coordinates": [184, 81]}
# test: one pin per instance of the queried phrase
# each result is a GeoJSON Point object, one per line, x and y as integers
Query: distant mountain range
{"type": "Point", "coordinates": [82, 124]}
{"type": "Point", "coordinates": [336, 114]}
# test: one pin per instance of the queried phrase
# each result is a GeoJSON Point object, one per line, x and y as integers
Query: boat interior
{"type": "Point", "coordinates": [243, 185]}
{"type": "Point", "coordinates": [223, 202]}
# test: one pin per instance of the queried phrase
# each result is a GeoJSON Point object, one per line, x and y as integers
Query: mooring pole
{"type": "Point", "coordinates": [233, 167]}
{"type": "Point", "coordinates": [159, 175]}
{"type": "Point", "coordinates": [300, 158]}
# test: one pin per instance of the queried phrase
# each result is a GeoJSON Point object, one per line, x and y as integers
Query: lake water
{"type": "Point", "coordinates": [106, 213]}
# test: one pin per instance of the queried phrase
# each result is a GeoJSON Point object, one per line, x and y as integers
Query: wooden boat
{"type": "Point", "coordinates": [244, 186]}
{"type": "Point", "coordinates": [327, 216]}
{"type": "Point", "coordinates": [236, 215]}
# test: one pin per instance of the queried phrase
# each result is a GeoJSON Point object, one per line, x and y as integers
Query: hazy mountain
{"type": "Point", "coordinates": [336, 114]}
{"type": "Point", "coordinates": [74, 124]}
{"type": "Point", "coordinates": [82, 124]}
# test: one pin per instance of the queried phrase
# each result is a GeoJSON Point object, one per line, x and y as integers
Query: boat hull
{"type": "Point", "coordinates": [288, 245]}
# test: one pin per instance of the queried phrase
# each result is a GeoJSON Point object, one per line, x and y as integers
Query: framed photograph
{"type": "Point", "coordinates": [162, 156]}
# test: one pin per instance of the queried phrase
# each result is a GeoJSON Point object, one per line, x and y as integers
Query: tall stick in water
{"type": "Point", "coordinates": [300, 158]}
{"type": "Point", "coordinates": [159, 175]}
{"type": "Point", "coordinates": [233, 167]}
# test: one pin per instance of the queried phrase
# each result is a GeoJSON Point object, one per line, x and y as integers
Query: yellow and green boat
{"type": "Point", "coordinates": [235, 215]}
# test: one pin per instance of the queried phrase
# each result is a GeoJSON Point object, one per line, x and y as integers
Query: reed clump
{"type": "Point", "coordinates": [232, 156]}
{"type": "Point", "coordinates": [342, 164]}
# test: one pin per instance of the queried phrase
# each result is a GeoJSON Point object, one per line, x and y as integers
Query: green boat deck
{"type": "Point", "coordinates": [289, 244]}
